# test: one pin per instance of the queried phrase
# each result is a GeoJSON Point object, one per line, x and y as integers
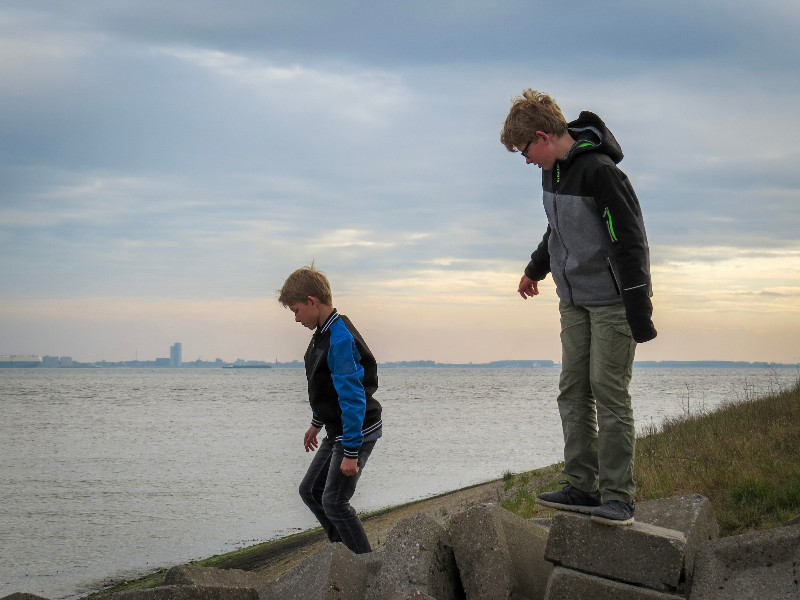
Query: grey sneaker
{"type": "Point", "coordinates": [570, 498]}
{"type": "Point", "coordinates": [614, 512]}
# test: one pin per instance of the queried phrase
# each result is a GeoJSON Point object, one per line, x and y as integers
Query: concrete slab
{"type": "Point", "coordinates": [566, 584]}
{"type": "Point", "coordinates": [331, 573]}
{"type": "Point", "coordinates": [692, 515]}
{"type": "Point", "coordinates": [211, 577]}
{"type": "Point", "coordinates": [186, 592]}
{"type": "Point", "coordinates": [764, 564]}
{"type": "Point", "coordinates": [640, 553]}
{"type": "Point", "coordinates": [417, 559]}
{"type": "Point", "coordinates": [499, 554]}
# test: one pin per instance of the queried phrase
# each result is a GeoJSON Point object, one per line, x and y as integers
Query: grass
{"type": "Point", "coordinates": [744, 457]}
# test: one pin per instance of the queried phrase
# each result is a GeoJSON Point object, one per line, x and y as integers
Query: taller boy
{"type": "Point", "coordinates": [342, 377]}
{"type": "Point", "coordinates": [596, 248]}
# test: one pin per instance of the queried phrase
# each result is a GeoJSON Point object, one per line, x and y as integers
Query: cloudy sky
{"type": "Point", "coordinates": [166, 164]}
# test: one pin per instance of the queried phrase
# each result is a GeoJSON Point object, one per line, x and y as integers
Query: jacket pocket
{"type": "Point", "coordinates": [613, 276]}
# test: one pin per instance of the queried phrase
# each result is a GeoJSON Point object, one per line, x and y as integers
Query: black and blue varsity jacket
{"type": "Point", "coordinates": [342, 377]}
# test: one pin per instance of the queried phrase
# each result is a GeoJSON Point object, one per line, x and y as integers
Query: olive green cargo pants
{"type": "Point", "coordinates": [594, 402]}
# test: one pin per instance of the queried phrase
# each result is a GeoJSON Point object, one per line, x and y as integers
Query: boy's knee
{"type": "Point", "coordinates": [305, 493]}
{"type": "Point", "coordinates": [335, 507]}
{"type": "Point", "coordinates": [330, 506]}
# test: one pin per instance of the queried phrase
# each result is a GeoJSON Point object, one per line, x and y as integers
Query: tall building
{"type": "Point", "coordinates": [176, 355]}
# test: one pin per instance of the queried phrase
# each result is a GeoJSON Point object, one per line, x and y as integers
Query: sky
{"type": "Point", "coordinates": [165, 165]}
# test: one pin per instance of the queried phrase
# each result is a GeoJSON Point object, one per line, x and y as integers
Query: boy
{"type": "Point", "coordinates": [596, 248]}
{"type": "Point", "coordinates": [342, 377]}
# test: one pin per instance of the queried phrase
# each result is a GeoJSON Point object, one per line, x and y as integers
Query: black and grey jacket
{"type": "Point", "coordinates": [595, 245]}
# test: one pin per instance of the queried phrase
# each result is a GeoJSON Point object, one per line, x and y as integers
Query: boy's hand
{"type": "Point", "coordinates": [349, 466]}
{"type": "Point", "coordinates": [310, 439]}
{"type": "Point", "coordinates": [528, 287]}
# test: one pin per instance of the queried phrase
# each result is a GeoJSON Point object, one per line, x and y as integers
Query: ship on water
{"type": "Point", "coordinates": [20, 361]}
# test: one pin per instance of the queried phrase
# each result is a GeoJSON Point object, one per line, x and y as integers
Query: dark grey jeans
{"type": "Point", "coordinates": [327, 492]}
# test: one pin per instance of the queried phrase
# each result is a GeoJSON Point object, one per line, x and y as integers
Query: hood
{"type": "Point", "coordinates": [588, 127]}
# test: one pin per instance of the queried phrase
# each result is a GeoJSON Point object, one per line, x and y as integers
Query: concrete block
{"type": "Point", "coordinates": [331, 573]}
{"type": "Point", "coordinates": [417, 559]}
{"type": "Point", "coordinates": [210, 577]}
{"type": "Point", "coordinates": [692, 515]}
{"type": "Point", "coordinates": [566, 584]}
{"type": "Point", "coordinates": [186, 592]}
{"type": "Point", "coordinates": [764, 564]}
{"type": "Point", "coordinates": [499, 554]}
{"type": "Point", "coordinates": [640, 554]}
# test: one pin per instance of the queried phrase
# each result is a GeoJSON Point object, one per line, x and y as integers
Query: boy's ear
{"type": "Point", "coordinates": [313, 300]}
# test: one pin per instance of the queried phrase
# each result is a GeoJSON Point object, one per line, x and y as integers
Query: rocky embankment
{"type": "Point", "coordinates": [464, 545]}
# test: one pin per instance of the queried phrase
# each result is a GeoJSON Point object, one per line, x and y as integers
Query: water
{"type": "Point", "coordinates": [108, 474]}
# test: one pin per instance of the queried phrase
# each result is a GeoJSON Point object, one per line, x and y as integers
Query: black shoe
{"type": "Point", "coordinates": [570, 498]}
{"type": "Point", "coordinates": [614, 512]}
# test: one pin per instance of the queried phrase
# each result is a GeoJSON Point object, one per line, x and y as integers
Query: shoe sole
{"type": "Point", "coordinates": [579, 508]}
{"type": "Point", "coordinates": [612, 522]}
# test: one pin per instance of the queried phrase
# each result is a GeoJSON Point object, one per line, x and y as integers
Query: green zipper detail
{"type": "Point", "coordinates": [610, 224]}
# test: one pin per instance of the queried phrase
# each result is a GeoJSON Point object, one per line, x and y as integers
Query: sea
{"type": "Point", "coordinates": [110, 474]}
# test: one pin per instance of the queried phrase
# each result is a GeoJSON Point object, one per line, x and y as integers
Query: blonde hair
{"type": "Point", "coordinates": [531, 112]}
{"type": "Point", "coordinates": [305, 282]}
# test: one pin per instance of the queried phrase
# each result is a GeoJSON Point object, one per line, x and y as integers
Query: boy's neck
{"type": "Point", "coordinates": [325, 311]}
{"type": "Point", "coordinates": [563, 145]}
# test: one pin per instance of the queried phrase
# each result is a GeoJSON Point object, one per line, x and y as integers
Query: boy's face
{"type": "Point", "coordinates": [540, 151]}
{"type": "Point", "coordinates": [306, 313]}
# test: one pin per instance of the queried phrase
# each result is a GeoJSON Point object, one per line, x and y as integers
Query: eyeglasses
{"type": "Point", "coordinates": [525, 150]}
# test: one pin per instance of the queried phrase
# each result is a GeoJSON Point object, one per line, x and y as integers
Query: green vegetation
{"type": "Point", "coordinates": [744, 457]}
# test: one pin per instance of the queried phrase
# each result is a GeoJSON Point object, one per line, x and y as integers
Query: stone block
{"type": "Point", "coordinates": [417, 559]}
{"type": "Point", "coordinates": [764, 564]}
{"type": "Point", "coordinates": [566, 584]}
{"type": "Point", "coordinates": [186, 592]}
{"type": "Point", "coordinates": [640, 553]}
{"type": "Point", "coordinates": [692, 515]}
{"type": "Point", "coordinates": [499, 555]}
{"type": "Point", "coordinates": [331, 573]}
{"type": "Point", "coordinates": [211, 577]}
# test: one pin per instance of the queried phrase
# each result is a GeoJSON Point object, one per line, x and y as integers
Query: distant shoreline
{"type": "Point", "coordinates": [419, 364]}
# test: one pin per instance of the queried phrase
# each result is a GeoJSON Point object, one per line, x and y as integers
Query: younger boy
{"type": "Point", "coordinates": [596, 249]}
{"type": "Point", "coordinates": [342, 377]}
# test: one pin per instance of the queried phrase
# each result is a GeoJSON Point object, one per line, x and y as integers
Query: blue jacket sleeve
{"type": "Point", "coordinates": [348, 379]}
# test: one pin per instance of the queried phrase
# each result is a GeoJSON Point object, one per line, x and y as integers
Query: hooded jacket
{"type": "Point", "coordinates": [342, 377]}
{"type": "Point", "coordinates": [595, 245]}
